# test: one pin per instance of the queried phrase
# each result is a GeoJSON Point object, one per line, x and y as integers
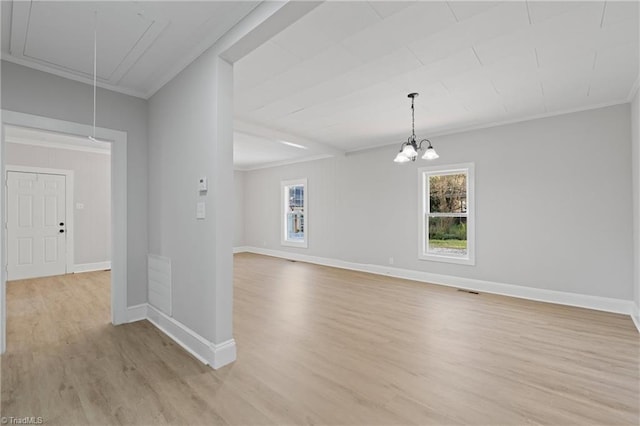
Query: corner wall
{"type": "Point", "coordinates": [552, 203]}
{"type": "Point", "coordinates": [635, 160]}
{"type": "Point", "coordinates": [190, 136]}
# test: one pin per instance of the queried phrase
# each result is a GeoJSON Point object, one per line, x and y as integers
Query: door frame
{"type": "Point", "coordinates": [118, 141]}
{"type": "Point", "coordinates": [69, 207]}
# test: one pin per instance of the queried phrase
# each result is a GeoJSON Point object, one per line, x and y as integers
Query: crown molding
{"type": "Point", "coordinates": [446, 131]}
{"type": "Point", "coordinates": [71, 76]}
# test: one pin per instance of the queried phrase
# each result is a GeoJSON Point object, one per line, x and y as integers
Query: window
{"type": "Point", "coordinates": [447, 214]}
{"type": "Point", "coordinates": [295, 217]}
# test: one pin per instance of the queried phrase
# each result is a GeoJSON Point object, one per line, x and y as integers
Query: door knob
{"type": "Point", "coordinates": [61, 231]}
{"type": "Point", "coordinates": [61, 223]}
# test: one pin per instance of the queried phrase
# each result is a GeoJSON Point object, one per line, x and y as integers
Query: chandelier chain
{"type": "Point", "coordinates": [413, 120]}
{"type": "Point", "coordinates": [409, 149]}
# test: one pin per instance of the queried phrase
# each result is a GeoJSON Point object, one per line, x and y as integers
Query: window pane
{"type": "Point", "coordinates": [295, 213]}
{"type": "Point", "coordinates": [448, 193]}
{"type": "Point", "coordinates": [448, 236]}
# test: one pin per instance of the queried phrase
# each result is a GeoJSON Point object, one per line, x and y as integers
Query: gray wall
{"type": "Point", "coordinates": [92, 187]}
{"type": "Point", "coordinates": [238, 218]}
{"type": "Point", "coordinates": [635, 161]}
{"type": "Point", "coordinates": [190, 135]}
{"type": "Point", "coordinates": [552, 202]}
{"type": "Point", "coordinates": [34, 92]}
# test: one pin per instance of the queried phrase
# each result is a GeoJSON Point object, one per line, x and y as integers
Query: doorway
{"type": "Point", "coordinates": [118, 210]}
{"type": "Point", "coordinates": [37, 224]}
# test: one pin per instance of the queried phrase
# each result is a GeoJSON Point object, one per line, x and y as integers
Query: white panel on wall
{"type": "Point", "coordinates": [159, 289]}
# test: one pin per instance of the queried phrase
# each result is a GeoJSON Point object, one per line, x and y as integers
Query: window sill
{"type": "Point", "coordinates": [448, 259]}
{"type": "Point", "coordinates": [294, 244]}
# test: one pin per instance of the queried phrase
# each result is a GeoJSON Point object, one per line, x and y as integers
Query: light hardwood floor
{"type": "Point", "coordinates": [318, 345]}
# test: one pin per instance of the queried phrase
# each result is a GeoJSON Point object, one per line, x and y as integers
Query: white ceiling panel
{"type": "Point", "coordinates": [267, 61]}
{"type": "Point", "coordinates": [419, 20]}
{"type": "Point", "coordinates": [615, 11]}
{"type": "Point", "coordinates": [138, 43]}
{"type": "Point", "coordinates": [345, 84]}
{"type": "Point", "coordinates": [505, 18]}
{"type": "Point", "coordinates": [541, 11]}
{"type": "Point", "coordinates": [474, 63]}
{"type": "Point", "coordinates": [487, 23]}
{"type": "Point", "coordinates": [623, 57]}
{"type": "Point", "coordinates": [327, 64]}
{"type": "Point", "coordinates": [251, 151]}
{"type": "Point", "coordinates": [123, 34]}
{"type": "Point", "coordinates": [318, 31]}
{"type": "Point", "coordinates": [384, 9]}
{"type": "Point", "coordinates": [625, 31]}
{"type": "Point", "coordinates": [561, 56]}
{"type": "Point", "coordinates": [466, 9]}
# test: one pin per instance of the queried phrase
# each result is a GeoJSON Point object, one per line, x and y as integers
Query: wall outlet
{"type": "Point", "coordinates": [391, 261]}
{"type": "Point", "coordinates": [200, 211]}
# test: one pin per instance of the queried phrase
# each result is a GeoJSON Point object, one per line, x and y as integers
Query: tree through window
{"type": "Point", "coordinates": [446, 214]}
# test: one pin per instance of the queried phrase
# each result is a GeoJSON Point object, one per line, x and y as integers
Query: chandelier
{"type": "Point", "coordinates": [409, 149]}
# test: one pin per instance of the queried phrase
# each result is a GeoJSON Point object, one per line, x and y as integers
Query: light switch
{"type": "Point", "coordinates": [79, 206]}
{"type": "Point", "coordinates": [200, 211]}
{"type": "Point", "coordinates": [202, 184]}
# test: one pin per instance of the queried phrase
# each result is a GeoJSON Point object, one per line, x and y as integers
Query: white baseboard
{"type": "Point", "coordinates": [240, 249]}
{"type": "Point", "coordinates": [619, 306]}
{"type": "Point", "coordinates": [635, 316]}
{"type": "Point", "coordinates": [209, 353]}
{"type": "Point", "coordinates": [137, 312]}
{"type": "Point", "coordinates": [90, 267]}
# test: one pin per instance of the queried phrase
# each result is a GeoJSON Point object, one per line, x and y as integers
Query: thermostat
{"type": "Point", "coordinates": [202, 184]}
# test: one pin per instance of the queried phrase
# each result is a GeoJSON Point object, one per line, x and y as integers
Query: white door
{"type": "Point", "coordinates": [36, 225]}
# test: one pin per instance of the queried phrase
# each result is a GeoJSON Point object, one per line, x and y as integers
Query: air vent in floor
{"type": "Point", "coordinates": [468, 291]}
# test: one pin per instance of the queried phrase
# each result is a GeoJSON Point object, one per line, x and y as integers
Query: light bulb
{"type": "Point", "coordinates": [430, 154]}
{"type": "Point", "coordinates": [401, 158]}
{"type": "Point", "coordinates": [409, 151]}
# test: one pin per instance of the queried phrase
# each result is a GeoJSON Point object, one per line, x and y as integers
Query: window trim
{"type": "Point", "coordinates": [423, 210]}
{"type": "Point", "coordinates": [283, 217]}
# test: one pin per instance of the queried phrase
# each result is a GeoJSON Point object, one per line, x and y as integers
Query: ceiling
{"type": "Point", "coordinates": [139, 44]}
{"type": "Point", "coordinates": [336, 80]}
{"type": "Point", "coordinates": [339, 76]}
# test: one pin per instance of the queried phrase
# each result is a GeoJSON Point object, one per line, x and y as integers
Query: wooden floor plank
{"type": "Point", "coordinates": [319, 345]}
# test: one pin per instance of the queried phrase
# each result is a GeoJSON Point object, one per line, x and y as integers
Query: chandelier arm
{"type": "Point", "coordinates": [423, 141]}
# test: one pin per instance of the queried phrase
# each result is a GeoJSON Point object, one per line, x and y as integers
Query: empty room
{"type": "Point", "coordinates": [306, 212]}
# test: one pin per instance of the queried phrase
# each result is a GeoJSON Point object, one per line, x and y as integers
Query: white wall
{"type": "Point", "coordinates": [34, 92]}
{"type": "Point", "coordinates": [189, 138]}
{"type": "Point", "coordinates": [635, 160]}
{"type": "Point", "coordinates": [92, 187]}
{"type": "Point", "coordinates": [552, 201]}
{"type": "Point", "coordinates": [238, 218]}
